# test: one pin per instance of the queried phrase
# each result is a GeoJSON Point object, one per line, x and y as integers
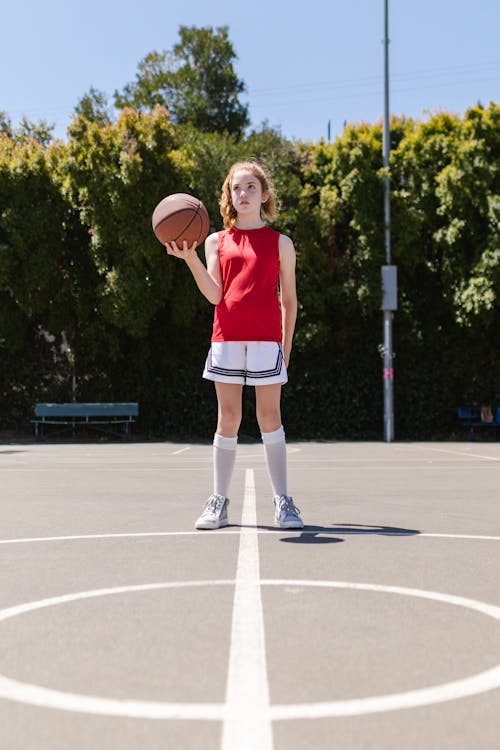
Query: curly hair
{"type": "Point", "coordinates": [269, 209]}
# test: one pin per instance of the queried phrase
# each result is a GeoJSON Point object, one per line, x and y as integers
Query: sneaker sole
{"type": "Point", "coordinates": [207, 526]}
{"type": "Point", "coordinates": [290, 525]}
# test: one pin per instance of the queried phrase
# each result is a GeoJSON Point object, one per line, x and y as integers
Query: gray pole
{"type": "Point", "coordinates": [386, 349]}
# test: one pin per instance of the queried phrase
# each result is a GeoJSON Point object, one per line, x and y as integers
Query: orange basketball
{"type": "Point", "coordinates": [180, 217]}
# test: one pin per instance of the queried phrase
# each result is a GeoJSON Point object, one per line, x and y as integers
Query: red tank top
{"type": "Point", "coordinates": [250, 264]}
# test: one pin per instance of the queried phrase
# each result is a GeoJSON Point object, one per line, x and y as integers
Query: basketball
{"type": "Point", "coordinates": [180, 217]}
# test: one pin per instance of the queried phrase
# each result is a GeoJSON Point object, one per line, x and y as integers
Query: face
{"type": "Point", "coordinates": [246, 192]}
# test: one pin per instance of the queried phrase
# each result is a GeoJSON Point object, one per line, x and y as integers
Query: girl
{"type": "Point", "coordinates": [252, 333]}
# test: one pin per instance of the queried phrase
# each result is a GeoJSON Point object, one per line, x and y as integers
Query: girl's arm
{"type": "Point", "coordinates": [288, 293]}
{"type": "Point", "coordinates": [209, 278]}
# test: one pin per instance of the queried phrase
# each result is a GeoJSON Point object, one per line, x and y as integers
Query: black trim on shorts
{"type": "Point", "coordinates": [223, 370]}
{"type": "Point", "coordinates": [254, 374]}
{"type": "Point", "coordinates": [268, 373]}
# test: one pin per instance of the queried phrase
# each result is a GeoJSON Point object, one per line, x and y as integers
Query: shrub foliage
{"type": "Point", "coordinates": [87, 290]}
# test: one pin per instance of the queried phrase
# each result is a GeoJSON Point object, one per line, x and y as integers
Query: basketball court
{"type": "Point", "coordinates": [377, 626]}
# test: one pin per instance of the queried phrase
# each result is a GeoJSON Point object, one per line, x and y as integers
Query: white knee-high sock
{"type": "Point", "coordinates": [275, 452]}
{"type": "Point", "coordinates": [224, 455]}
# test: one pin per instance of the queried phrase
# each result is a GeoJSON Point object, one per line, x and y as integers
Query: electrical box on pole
{"type": "Point", "coordinates": [389, 288]}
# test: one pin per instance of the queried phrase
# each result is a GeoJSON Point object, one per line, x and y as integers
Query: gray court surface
{"type": "Point", "coordinates": [377, 626]}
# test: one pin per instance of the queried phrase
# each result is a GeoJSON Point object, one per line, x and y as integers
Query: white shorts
{"type": "Point", "coordinates": [246, 363]}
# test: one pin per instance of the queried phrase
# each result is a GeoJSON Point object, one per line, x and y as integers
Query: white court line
{"type": "Point", "coordinates": [458, 453]}
{"type": "Point", "coordinates": [461, 536]}
{"type": "Point", "coordinates": [38, 695]}
{"type": "Point", "coordinates": [248, 715]}
{"type": "Point", "coordinates": [125, 535]}
{"type": "Point", "coordinates": [247, 685]}
{"type": "Point", "coordinates": [108, 469]}
{"type": "Point", "coordinates": [231, 532]}
{"type": "Point", "coordinates": [453, 690]}
{"type": "Point", "coordinates": [181, 450]}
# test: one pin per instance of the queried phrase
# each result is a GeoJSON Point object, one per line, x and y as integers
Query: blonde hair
{"type": "Point", "coordinates": [268, 210]}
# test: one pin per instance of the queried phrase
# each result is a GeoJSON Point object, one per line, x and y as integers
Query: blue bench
{"type": "Point", "coordinates": [95, 415]}
{"type": "Point", "coordinates": [470, 417]}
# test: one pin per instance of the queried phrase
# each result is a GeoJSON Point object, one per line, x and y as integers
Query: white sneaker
{"type": "Point", "coordinates": [286, 515]}
{"type": "Point", "coordinates": [214, 514]}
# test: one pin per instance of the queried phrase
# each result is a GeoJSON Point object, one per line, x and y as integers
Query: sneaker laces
{"type": "Point", "coordinates": [285, 503]}
{"type": "Point", "coordinates": [214, 504]}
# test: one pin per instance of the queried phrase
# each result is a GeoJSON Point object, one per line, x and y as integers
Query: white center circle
{"type": "Point", "coordinates": [39, 696]}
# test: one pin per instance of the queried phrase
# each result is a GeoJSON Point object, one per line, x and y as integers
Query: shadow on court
{"type": "Point", "coordinates": [331, 534]}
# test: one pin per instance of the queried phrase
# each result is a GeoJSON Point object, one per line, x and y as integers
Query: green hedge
{"type": "Point", "coordinates": [79, 265]}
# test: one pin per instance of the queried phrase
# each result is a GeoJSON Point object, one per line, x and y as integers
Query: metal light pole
{"type": "Point", "coordinates": [389, 272]}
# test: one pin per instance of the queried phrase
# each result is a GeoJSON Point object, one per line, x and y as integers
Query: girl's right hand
{"type": "Point", "coordinates": [185, 253]}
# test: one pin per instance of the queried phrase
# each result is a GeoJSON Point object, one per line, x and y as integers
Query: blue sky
{"type": "Point", "coordinates": [303, 64]}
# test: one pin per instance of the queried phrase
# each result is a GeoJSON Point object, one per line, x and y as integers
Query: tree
{"type": "Point", "coordinates": [27, 130]}
{"type": "Point", "coordinates": [36, 274]}
{"type": "Point", "coordinates": [5, 124]}
{"type": "Point", "coordinates": [196, 81]}
{"type": "Point", "coordinates": [94, 107]}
